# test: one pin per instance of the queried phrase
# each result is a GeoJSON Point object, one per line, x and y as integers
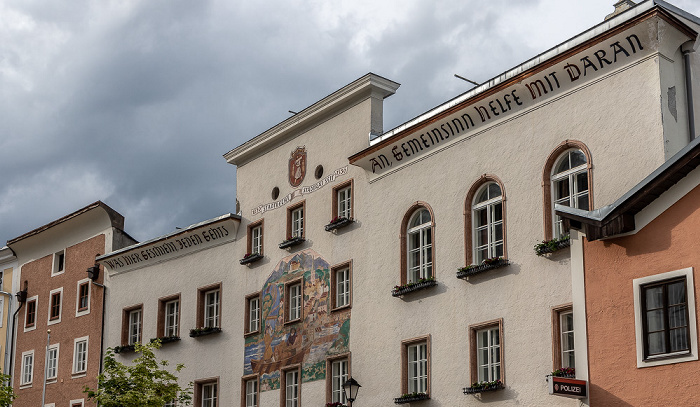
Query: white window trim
{"type": "Point", "coordinates": [77, 297]}
{"type": "Point", "coordinates": [56, 346]}
{"type": "Point", "coordinates": [692, 324]}
{"type": "Point", "coordinates": [36, 309]}
{"type": "Point", "coordinates": [60, 311]}
{"type": "Point", "coordinates": [22, 383]}
{"type": "Point", "coordinates": [423, 263]}
{"type": "Point", "coordinates": [87, 349]}
{"type": "Point", "coordinates": [76, 401]}
{"type": "Point", "coordinates": [176, 322]}
{"type": "Point", "coordinates": [297, 228]}
{"type": "Point", "coordinates": [347, 190]}
{"type": "Point", "coordinates": [571, 175]}
{"type": "Point", "coordinates": [50, 405]}
{"type": "Point", "coordinates": [139, 326]}
{"type": "Point", "coordinates": [256, 239]}
{"type": "Point", "coordinates": [215, 306]}
{"type": "Point", "coordinates": [491, 243]}
{"type": "Point", "coordinates": [337, 380]}
{"type": "Point", "coordinates": [54, 266]}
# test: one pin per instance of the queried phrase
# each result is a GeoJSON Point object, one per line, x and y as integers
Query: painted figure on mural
{"type": "Point", "coordinates": [297, 166]}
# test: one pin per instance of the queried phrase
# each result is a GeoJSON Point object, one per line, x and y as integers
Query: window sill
{"type": "Point", "coordinates": [292, 242]}
{"type": "Point", "coordinates": [251, 333]}
{"type": "Point", "coordinates": [25, 386]}
{"type": "Point", "coordinates": [195, 332]}
{"type": "Point", "coordinates": [408, 398]}
{"type": "Point", "coordinates": [483, 388]}
{"type": "Point", "coordinates": [166, 339]}
{"type": "Point", "coordinates": [466, 272]}
{"type": "Point", "coordinates": [552, 246]}
{"type": "Point", "coordinates": [251, 259]}
{"type": "Point", "coordinates": [124, 349]}
{"type": "Point", "coordinates": [338, 224]}
{"type": "Point", "coordinates": [78, 375]}
{"type": "Point", "coordinates": [341, 308]}
{"type": "Point", "coordinates": [292, 321]}
{"type": "Point", "coordinates": [411, 287]}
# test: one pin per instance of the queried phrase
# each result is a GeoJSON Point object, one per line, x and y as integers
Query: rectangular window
{"type": "Point", "coordinates": [290, 387]}
{"type": "Point", "coordinates": [343, 200]}
{"type": "Point", "coordinates": [293, 301]}
{"type": "Point", "coordinates": [296, 220]}
{"type": "Point", "coordinates": [563, 333]}
{"type": "Point", "coordinates": [207, 394]}
{"type": "Point", "coordinates": [486, 351]}
{"type": "Point", "coordinates": [340, 285]}
{"type": "Point", "coordinates": [80, 354]}
{"type": "Point", "coordinates": [59, 263]}
{"type": "Point", "coordinates": [252, 313]}
{"type": "Point", "coordinates": [55, 306]}
{"type": "Point", "coordinates": [339, 375]}
{"type": "Point", "coordinates": [83, 296]}
{"type": "Point", "coordinates": [172, 312]}
{"type": "Point", "coordinates": [255, 237]}
{"type": "Point", "coordinates": [209, 306]}
{"type": "Point", "coordinates": [27, 373]}
{"type": "Point", "coordinates": [249, 391]}
{"type": "Point", "coordinates": [30, 313]}
{"type": "Point", "coordinates": [665, 318]}
{"type": "Point", "coordinates": [415, 359]}
{"type": "Point", "coordinates": [132, 324]}
{"type": "Point", "coordinates": [52, 362]}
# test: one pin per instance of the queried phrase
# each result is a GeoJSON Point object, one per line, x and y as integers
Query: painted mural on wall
{"type": "Point", "coordinates": [308, 342]}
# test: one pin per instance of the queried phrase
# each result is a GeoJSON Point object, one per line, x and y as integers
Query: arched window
{"type": "Point", "coordinates": [417, 244]}
{"type": "Point", "coordinates": [566, 180]}
{"type": "Point", "coordinates": [487, 221]}
{"type": "Point", "coordinates": [569, 185]}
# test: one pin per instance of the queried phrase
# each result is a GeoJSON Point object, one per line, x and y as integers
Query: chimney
{"type": "Point", "coordinates": [620, 6]}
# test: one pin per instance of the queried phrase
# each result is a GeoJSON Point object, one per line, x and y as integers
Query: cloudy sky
{"type": "Point", "coordinates": [134, 102]}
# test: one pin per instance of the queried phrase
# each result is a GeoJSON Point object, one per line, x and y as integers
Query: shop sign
{"type": "Point", "coordinates": [562, 386]}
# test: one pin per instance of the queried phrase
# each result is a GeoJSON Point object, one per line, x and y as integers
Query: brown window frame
{"type": "Point", "coordinates": [162, 302]}
{"type": "Point", "coordinates": [556, 333]}
{"type": "Point", "coordinates": [333, 291]}
{"type": "Point", "coordinates": [292, 208]}
{"type": "Point", "coordinates": [468, 216]}
{"type": "Point", "coordinates": [80, 296]}
{"type": "Point", "coordinates": [547, 201]}
{"type": "Point", "coordinates": [645, 328]}
{"type": "Point", "coordinates": [125, 323]}
{"type": "Point", "coordinates": [249, 245]}
{"type": "Point", "coordinates": [334, 209]}
{"type": "Point", "coordinates": [404, 361]}
{"type": "Point", "coordinates": [403, 239]}
{"type": "Point", "coordinates": [248, 298]}
{"type": "Point", "coordinates": [201, 295]}
{"type": "Point", "coordinates": [199, 383]}
{"type": "Point", "coordinates": [55, 308]}
{"type": "Point", "coordinates": [31, 313]}
{"type": "Point", "coordinates": [473, 359]}
{"type": "Point", "coordinates": [283, 383]}
{"type": "Point", "coordinates": [297, 281]}
{"type": "Point", "coordinates": [329, 372]}
{"type": "Point", "coordinates": [244, 382]}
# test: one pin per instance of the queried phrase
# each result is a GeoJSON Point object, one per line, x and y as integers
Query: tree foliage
{"type": "Point", "coordinates": [145, 383]}
{"type": "Point", "coordinates": [6, 392]}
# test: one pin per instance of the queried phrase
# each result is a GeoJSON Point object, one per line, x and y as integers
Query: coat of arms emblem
{"type": "Point", "coordinates": [297, 166]}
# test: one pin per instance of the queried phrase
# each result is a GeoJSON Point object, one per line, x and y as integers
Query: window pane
{"type": "Point", "coordinates": [679, 339]}
{"type": "Point", "coordinates": [655, 320]}
{"type": "Point", "coordinates": [656, 343]}
{"type": "Point", "coordinates": [577, 158]}
{"type": "Point", "coordinates": [494, 190]}
{"type": "Point", "coordinates": [677, 316]}
{"type": "Point", "coordinates": [654, 297]}
{"type": "Point", "coordinates": [582, 202]}
{"type": "Point", "coordinates": [676, 293]}
{"type": "Point", "coordinates": [561, 189]}
{"type": "Point", "coordinates": [480, 217]}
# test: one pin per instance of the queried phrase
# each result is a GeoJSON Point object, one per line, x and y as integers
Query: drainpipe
{"type": "Point", "coordinates": [687, 49]}
{"type": "Point", "coordinates": [21, 298]}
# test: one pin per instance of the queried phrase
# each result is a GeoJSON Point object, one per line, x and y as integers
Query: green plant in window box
{"type": "Point", "coordinates": [564, 372]}
{"type": "Point", "coordinates": [409, 397]}
{"type": "Point", "coordinates": [479, 387]}
{"type": "Point", "coordinates": [335, 404]}
{"type": "Point", "coordinates": [551, 246]}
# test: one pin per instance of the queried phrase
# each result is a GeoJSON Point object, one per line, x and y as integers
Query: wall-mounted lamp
{"type": "Point", "coordinates": [94, 272]}
{"type": "Point", "coordinates": [350, 387]}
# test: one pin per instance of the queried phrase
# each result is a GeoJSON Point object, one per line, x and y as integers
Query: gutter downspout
{"type": "Point", "coordinates": [21, 298]}
{"type": "Point", "coordinates": [687, 49]}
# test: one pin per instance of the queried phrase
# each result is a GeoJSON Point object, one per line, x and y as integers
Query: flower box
{"type": "Point", "coordinates": [567, 372]}
{"type": "Point", "coordinates": [195, 332]}
{"type": "Point", "coordinates": [336, 404]}
{"type": "Point", "coordinates": [423, 283]}
{"type": "Point", "coordinates": [486, 265]}
{"type": "Point", "coordinates": [408, 398]}
{"type": "Point", "coordinates": [166, 339]}
{"type": "Point", "coordinates": [483, 387]}
{"type": "Point", "coordinates": [292, 241]}
{"type": "Point", "coordinates": [338, 223]}
{"type": "Point", "coordinates": [552, 246]}
{"type": "Point", "coordinates": [250, 258]}
{"type": "Point", "coordinates": [124, 349]}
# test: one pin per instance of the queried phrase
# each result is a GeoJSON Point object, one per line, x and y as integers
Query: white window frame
{"type": "Point", "coordinates": [36, 313]}
{"type": "Point", "coordinates": [86, 311]}
{"type": "Point", "coordinates": [254, 313]}
{"type": "Point", "coordinates": [562, 332]}
{"type": "Point", "coordinates": [59, 262]}
{"type": "Point", "coordinates": [60, 306]}
{"type": "Point", "coordinates": [297, 227]}
{"type": "Point", "coordinates": [171, 318]}
{"type": "Point", "coordinates": [55, 347]}
{"type": "Point", "coordinates": [80, 365]}
{"type": "Point", "coordinates": [256, 239]}
{"type": "Point", "coordinates": [490, 364]}
{"type": "Point", "coordinates": [417, 367]}
{"type": "Point", "coordinates": [340, 369]}
{"type": "Point", "coordinates": [292, 391]}
{"type": "Point", "coordinates": [295, 291]}
{"type": "Point", "coordinates": [75, 402]}
{"type": "Point", "coordinates": [134, 325]}
{"type": "Point", "coordinates": [665, 359]}
{"type": "Point", "coordinates": [211, 401]}
{"type": "Point", "coordinates": [424, 268]}
{"type": "Point", "coordinates": [212, 309]}
{"type": "Point", "coordinates": [490, 226]}
{"type": "Point", "coordinates": [342, 286]}
{"type": "Point", "coordinates": [27, 370]}
{"type": "Point", "coordinates": [251, 392]}
{"type": "Point", "coordinates": [574, 193]}
{"type": "Point", "coordinates": [344, 197]}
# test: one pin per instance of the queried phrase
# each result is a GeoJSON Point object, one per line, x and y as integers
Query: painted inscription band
{"type": "Point", "coordinates": [301, 192]}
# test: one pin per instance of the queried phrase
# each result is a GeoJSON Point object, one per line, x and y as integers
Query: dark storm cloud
{"type": "Point", "coordinates": [134, 102]}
